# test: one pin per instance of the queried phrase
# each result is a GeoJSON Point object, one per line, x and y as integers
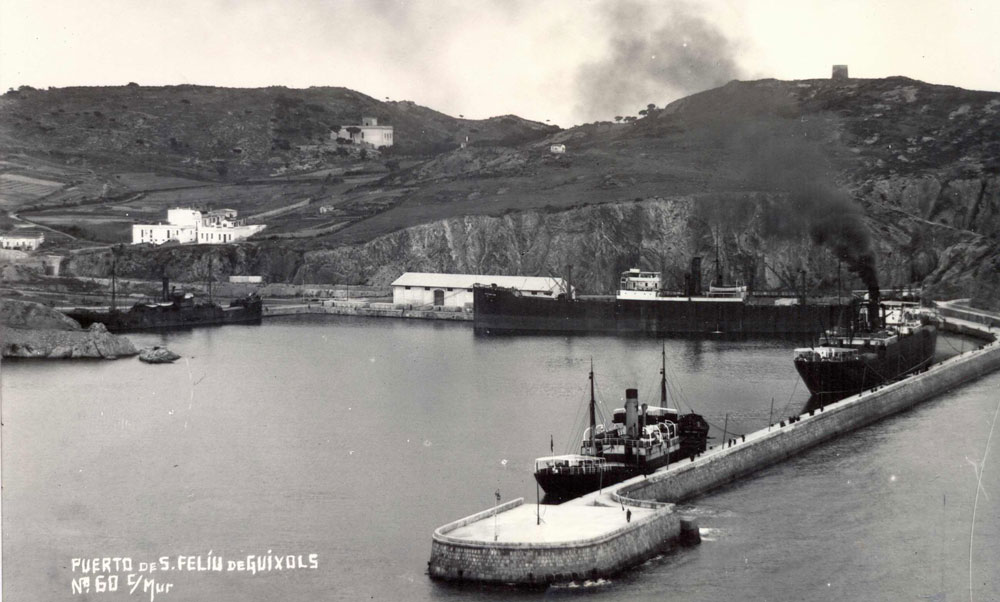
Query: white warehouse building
{"type": "Point", "coordinates": [455, 290]}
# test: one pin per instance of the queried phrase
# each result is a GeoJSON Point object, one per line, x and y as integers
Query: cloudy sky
{"type": "Point", "coordinates": [567, 61]}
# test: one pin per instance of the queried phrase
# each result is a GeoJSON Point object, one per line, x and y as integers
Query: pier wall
{"type": "Point", "coordinates": [763, 448]}
{"type": "Point", "coordinates": [370, 309]}
{"type": "Point", "coordinates": [952, 309]}
{"type": "Point", "coordinates": [527, 563]}
{"type": "Point", "coordinates": [541, 563]}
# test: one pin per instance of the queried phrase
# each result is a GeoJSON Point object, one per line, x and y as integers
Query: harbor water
{"type": "Point", "coordinates": [338, 444]}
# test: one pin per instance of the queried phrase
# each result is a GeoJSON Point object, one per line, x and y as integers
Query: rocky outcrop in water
{"type": "Point", "coordinates": [32, 330]}
{"type": "Point", "coordinates": [158, 355]}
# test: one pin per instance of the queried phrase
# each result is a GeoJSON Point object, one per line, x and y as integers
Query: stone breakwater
{"type": "Point", "coordinates": [576, 556]}
{"type": "Point", "coordinates": [464, 550]}
{"type": "Point", "coordinates": [729, 462]}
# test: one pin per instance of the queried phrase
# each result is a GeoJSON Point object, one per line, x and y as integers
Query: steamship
{"type": "Point", "coordinates": [882, 343]}
{"type": "Point", "coordinates": [641, 439]}
{"type": "Point", "coordinates": [175, 309]}
{"type": "Point", "coordinates": [643, 306]}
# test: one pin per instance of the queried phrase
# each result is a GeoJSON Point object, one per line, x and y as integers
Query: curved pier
{"type": "Point", "coordinates": [605, 532]}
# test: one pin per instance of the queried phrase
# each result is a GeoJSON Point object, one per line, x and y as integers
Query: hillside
{"type": "Point", "coordinates": [894, 176]}
{"type": "Point", "coordinates": [210, 132]}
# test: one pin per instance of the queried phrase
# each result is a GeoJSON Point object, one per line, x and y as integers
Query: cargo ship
{"type": "Point", "coordinates": [643, 306]}
{"type": "Point", "coordinates": [882, 343]}
{"type": "Point", "coordinates": [175, 309]}
{"type": "Point", "coordinates": [640, 440]}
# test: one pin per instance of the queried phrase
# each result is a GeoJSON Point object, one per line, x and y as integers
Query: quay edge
{"type": "Point", "coordinates": [533, 563]}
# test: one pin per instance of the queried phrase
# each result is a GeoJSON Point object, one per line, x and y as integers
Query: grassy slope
{"type": "Point", "coordinates": [196, 130]}
{"type": "Point", "coordinates": [700, 145]}
{"type": "Point", "coordinates": [706, 143]}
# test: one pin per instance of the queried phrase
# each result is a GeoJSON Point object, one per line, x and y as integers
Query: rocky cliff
{"type": "Point", "coordinates": [660, 234]}
{"type": "Point", "coordinates": [31, 330]}
{"type": "Point", "coordinates": [732, 169]}
{"type": "Point", "coordinates": [599, 241]}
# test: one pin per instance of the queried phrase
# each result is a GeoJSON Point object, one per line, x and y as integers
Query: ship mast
{"type": "Point", "coordinates": [114, 278]}
{"type": "Point", "coordinates": [718, 267]}
{"type": "Point", "coordinates": [593, 406]}
{"type": "Point", "coordinates": [663, 376]}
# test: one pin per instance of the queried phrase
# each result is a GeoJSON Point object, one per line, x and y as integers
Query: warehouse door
{"type": "Point", "coordinates": [438, 297]}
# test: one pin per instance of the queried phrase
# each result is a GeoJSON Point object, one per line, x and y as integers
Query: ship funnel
{"type": "Point", "coordinates": [694, 283]}
{"type": "Point", "coordinates": [874, 300]}
{"type": "Point", "coordinates": [632, 412]}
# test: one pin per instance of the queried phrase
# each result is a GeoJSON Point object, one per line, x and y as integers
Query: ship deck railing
{"type": "Point", "coordinates": [634, 443]}
{"type": "Point", "coordinates": [827, 355]}
{"type": "Point", "coordinates": [574, 470]}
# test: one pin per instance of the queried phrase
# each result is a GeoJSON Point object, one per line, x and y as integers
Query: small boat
{"type": "Point", "coordinates": [640, 440]}
{"type": "Point", "coordinates": [873, 350]}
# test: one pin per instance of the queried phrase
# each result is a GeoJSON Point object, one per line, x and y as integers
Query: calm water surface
{"type": "Point", "coordinates": [352, 439]}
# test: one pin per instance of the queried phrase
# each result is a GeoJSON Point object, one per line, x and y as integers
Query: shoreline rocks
{"type": "Point", "coordinates": [32, 330]}
{"type": "Point", "coordinates": [157, 355]}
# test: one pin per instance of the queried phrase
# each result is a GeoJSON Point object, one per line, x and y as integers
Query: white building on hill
{"type": "Point", "coordinates": [22, 241]}
{"type": "Point", "coordinates": [369, 133]}
{"type": "Point", "coordinates": [190, 225]}
{"type": "Point", "coordinates": [455, 290]}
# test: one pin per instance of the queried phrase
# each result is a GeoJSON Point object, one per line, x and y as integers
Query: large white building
{"type": "Point", "coordinates": [190, 225]}
{"type": "Point", "coordinates": [368, 133]}
{"type": "Point", "coordinates": [455, 290]}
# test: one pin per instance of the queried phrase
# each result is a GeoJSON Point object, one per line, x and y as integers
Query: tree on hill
{"type": "Point", "coordinates": [618, 118]}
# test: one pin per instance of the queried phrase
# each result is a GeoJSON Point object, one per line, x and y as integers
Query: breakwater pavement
{"type": "Point", "coordinates": [527, 544]}
{"type": "Point", "coordinates": [368, 308]}
{"type": "Point", "coordinates": [472, 549]}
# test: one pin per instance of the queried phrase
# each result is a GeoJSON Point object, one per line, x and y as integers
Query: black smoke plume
{"type": "Point", "coordinates": [782, 158]}
{"type": "Point", "coordinates": [659, 51]}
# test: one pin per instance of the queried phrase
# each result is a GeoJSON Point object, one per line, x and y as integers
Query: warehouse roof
{"type": "Point", "coordinates": [524, 283]}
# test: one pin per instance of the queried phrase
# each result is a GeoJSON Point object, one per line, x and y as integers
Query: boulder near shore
{"type": "Point", "coordinates": [32, 330]}
{"type": "Point", "coordinates": [158, 355]}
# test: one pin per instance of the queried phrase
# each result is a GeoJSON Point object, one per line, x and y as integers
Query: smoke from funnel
{"type": "Point", "coordinates": [658, 52]}
{"type": "Point", "coordinates": [781, 159]}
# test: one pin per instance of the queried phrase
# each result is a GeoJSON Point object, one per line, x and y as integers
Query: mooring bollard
{"type": "Point", "coordinates": [689, 535]}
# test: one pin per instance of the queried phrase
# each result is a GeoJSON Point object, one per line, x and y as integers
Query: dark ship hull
{"type": "Point", "coordinates": [909, 352]}
{"type": "Point", "coordinates": [161, 316]}
{"type": "Point", "coordinates": [559, 487]}
{"type": "Point", "coordinates": [569, 484]}
{"type": "Point", "coordinates": [504, 311]}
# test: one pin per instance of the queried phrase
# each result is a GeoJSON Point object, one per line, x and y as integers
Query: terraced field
{"type": "Point", "coordinates": [16, 189]}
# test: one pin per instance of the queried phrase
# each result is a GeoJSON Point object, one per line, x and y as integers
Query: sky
{"type": "Point", "coordinates": [562, 61]}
